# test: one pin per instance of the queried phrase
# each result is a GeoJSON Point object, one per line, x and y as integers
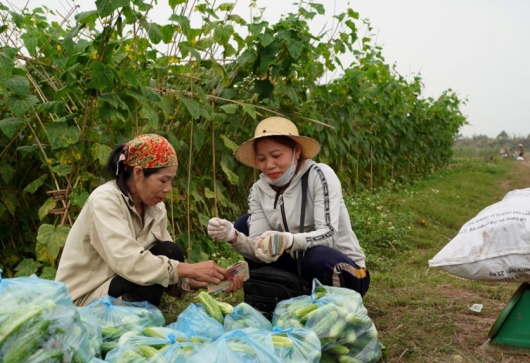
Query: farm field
{"type": "Point", "coordinates": [422, 314]}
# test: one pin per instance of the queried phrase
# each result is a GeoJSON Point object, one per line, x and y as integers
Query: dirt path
{"type": "Point", "coordinates": [474, 326]}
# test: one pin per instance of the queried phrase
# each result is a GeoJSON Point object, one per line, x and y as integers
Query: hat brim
{"type": "Point", "coordinates": [245, 152]}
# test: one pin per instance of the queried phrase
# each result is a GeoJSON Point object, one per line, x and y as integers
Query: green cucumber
{"type": "Point", "coordinates": [27, 344]}
{"type": "Point", "coordinates": [211, 306]}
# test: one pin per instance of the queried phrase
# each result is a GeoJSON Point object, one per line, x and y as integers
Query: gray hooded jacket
{"type": "Point", "coordinates": [327, 221]}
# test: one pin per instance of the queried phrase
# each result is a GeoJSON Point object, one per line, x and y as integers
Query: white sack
{"type": "Point", "coordinates": [494, 245]}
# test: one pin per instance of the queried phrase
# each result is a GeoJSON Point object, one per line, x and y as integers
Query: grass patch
{"type": "Point", "coordinates": [422, 315]}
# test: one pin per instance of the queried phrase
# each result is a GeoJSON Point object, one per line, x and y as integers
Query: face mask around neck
{"type": "Point", "coordinates": [285, 177]}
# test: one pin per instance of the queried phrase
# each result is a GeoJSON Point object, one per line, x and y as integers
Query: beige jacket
{"type": "Point", "coordinates": [109, 238]}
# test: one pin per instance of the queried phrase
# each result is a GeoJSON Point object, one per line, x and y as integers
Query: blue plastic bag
{"type": "Point", "coordinates": [245, 316]}
{"type": "Point", "coordinates": [237, 346]}
{"type": "Point", "coordinates": [38, 317]}
{"type": "Point", "coordinates": [195, 323]}
{"type": "Point", "coordinates": [338, 317]}
{"type": "Point", "coordinates": [116, 317]}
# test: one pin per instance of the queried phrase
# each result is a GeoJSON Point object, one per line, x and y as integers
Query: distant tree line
{"type": "Point", "coordinates": [484, 146]}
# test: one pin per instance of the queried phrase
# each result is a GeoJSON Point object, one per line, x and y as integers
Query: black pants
{"type": "Point", "coordinates": [329, 266]}
{"type": "Point", "coordinates": [130, 291]}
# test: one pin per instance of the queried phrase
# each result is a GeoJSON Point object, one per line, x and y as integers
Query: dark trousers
{"type": "Point", "coordinates": [329, 266]}
{"type": "Point", "coordinates": [129, 291]}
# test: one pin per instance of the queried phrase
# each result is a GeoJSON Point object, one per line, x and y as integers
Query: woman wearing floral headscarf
{"type": "Point", "coordinates": [119, 244]}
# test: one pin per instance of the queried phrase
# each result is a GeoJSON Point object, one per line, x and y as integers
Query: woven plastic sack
{"type": "Point", "coordinates": [116, 317]}
{"type": "Point", "coordinates": [494, 245]}
{"type": "Point", "coordinates": [39, 322]}
{"type": "Point", "coordinates": [339, 319]}
{"type": "Point", "coordinates": [245, 316]}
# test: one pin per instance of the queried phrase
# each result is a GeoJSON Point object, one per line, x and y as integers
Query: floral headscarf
{"type": "Point", "coordinates": [150, 151]}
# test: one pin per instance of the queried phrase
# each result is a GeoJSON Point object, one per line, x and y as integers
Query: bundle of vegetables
{"type": "Point", "coordinates": [39, 323]}
{"type": "Point", "coordinates": [116, 317]}
{"type": "Point", "coordinates": [291, 345]}
{"type": "Point", "coordinates": [91, 324]}
{"type": "Point", "coordinates": [154, 344]}
{"type": "Point", "coordinates": [195, 322]}
{"type": "Point", "coordinates": [340, 320]}
{"type": "Point", "coordinates": [245, 316]}
{"type": "Point", "coordinates": [237, 346]}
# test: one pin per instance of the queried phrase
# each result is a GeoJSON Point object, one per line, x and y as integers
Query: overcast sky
{"type": "Point", "coordinates": [478, 48]}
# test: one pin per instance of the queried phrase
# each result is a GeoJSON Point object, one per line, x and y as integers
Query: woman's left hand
{"type": "Point", "coordinates": [271, 245]}
{"type": "Point", "coordinates": [236, 283]}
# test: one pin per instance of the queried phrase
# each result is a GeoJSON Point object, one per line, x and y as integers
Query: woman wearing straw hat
{"type": "Point", "coordinates": [119, 244]}
{"type": "Point", "coordinates": [330, 249]}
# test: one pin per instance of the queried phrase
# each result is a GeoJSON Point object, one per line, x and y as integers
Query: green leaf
{"type": "Point", "coordinates": [27, 267]}
{"type": "Point", "coordinates": [48, 205]}
{"type": "Point", "coordinates": [230, 109]}
{"type": "Point", "coordinates": [250, 110]}
{"type": "Point", "coordinates": [6, 65]}
{"type": "Point", "coordinates": [183, 21]}
{"type": "Point", "coordinates": [19, 105]}
{"type": "Point", "coordinates": [155, 35]}
{"type": "Point", "coordinates": [246, 57]}
{"type": "Point", "coordinates": [205, 43]}
{"type": "Point", "coordinates": [229, 143]}
{"type": "Point", "coordinates": [101, 152]}
{"type": "Point", "coordinates": [48, 273]}
{"type": "Point", "coordinates": [57, 107]}
{"type": "Point", "coordinates": [18, 19]}
{"type": "Point", "coordinates": [111, 98]}
{"type": "Point", "coordinates": [222, 33]}
{"type": "Point", "coordinates": [9, 126]}
{"type": "Point", "coordinates": [10, 201]}
{"type": "Point", "coordinates": [151, 95]}
{"type": "Point", "coordinates": [27, 149]}
{"type": "Point", "coordinates": [129, 76]}
{"type": "Point", "coordinates": [167, 32]}
{"type": "Point", "coordinates": [232, 177]}
{"type": "Point", "coordinates": [236, 19]}
{"type": "Point", "coordinates": [102, 76]}
{"type": "Point", "coordinates": [192, 106]}
{"type": "Point", "coordinates": [266, 39]}
{"type": "Point", "coordinates": [87, 17]}
{"type": "Point", "coordinates": [208, 193]}
{"type": "Point", "coordinates": [106, 7]}
{"type": "Point", "coordinates": [295, 48]}
{"type": "Point", "coordinates": [62, 170]}
{"type": "Point", "coordinates": [60, 135]}
{"type": "Point", "coordinates": [2, 209]}
{"type": "Point", "coordinates": [50, 240]}
{"type": "Point", "coordinates": [226, 6]}
{"type": "Point", "coordinates": [149, 113]}
{"type": "Point", "coordinates": [36, 184]}
{"type": "Point", "coordinates": [174, 3]}
{"type": "Point", "coordinates": [18, 85]}
{"type": "Point", "coordinates": [318, 7]}
{"type": "Point", "coordinates": [78, 200]}
{"type": "Point", "coordinates": [7, 171]}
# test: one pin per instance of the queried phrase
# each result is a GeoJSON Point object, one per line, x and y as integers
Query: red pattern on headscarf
{"type": "Point", "coordinates": [151, 151]}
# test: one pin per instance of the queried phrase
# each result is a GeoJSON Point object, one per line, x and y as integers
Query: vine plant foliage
{"type": "Point", "coordinates": [74, 86]}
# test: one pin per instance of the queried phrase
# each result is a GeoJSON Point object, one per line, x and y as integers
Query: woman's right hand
{"type": "Point", "coordinates": [206, 271]}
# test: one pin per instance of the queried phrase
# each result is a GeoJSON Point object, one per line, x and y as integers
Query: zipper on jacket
{"type": "Point", "coordinates": [284, 219]}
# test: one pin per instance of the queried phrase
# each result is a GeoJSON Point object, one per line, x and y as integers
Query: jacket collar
{"type": "Point", "coordinates": [267, 188]}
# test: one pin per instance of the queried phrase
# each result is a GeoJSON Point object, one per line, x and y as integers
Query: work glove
{"type": "Point", "coordinates": [221, 229]}
{"type": "Point", "coordinates": [271, 244]}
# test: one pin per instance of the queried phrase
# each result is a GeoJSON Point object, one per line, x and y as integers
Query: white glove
{"type": "Point", "coordinates": [271, 245]}
{"type": "Point", "coordinates": [221, 229]}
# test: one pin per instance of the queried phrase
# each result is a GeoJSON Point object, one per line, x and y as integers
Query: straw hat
{"type": "Point", "coordinates": [276, 126]}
